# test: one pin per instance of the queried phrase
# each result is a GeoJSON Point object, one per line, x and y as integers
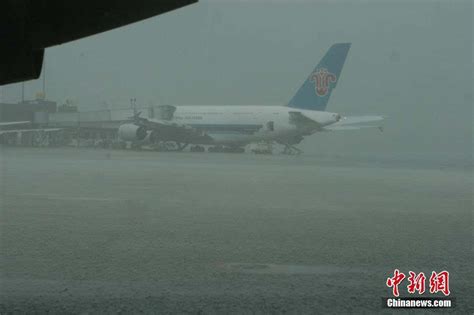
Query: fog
{"type": "Point", "coordinates": [95, 229]}
{"type": "Point", "coordinates": [410, 60]}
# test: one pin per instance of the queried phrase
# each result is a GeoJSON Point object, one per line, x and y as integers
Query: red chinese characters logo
{"type": "Point", "coordinates": [395, 281]}
{"type": "Point", "coordinates": [417, 282]}
{"type": "Point", "coordinates": [439, 282]}
{"type": "Point", "coordinates": [322, 79]}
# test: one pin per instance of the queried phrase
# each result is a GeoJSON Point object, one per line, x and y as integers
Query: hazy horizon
{"type": "Point", "coordinates": [410, 61]}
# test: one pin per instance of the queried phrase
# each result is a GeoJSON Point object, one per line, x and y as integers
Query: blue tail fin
{"type": "Point", "coordinates": [316, 90]}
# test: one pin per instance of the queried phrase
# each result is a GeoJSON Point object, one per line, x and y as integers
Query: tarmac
{"type": "Point", "coordinates": [97, 231]}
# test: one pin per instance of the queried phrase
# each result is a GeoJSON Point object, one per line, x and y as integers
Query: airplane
{"type": "Point", "coordinates": [229, 128]}
{"type": "Point", "coordinates": [27, 27]}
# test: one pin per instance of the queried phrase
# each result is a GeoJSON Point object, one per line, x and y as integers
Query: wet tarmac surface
{"type": "Point", "coordinates": [92, 231]}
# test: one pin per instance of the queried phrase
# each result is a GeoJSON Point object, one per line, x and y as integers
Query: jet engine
{"type": "Point", "coordinates": [132, 132]}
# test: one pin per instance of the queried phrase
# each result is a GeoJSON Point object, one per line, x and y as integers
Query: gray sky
{"type": "Point", "coordinates": [410, 60]}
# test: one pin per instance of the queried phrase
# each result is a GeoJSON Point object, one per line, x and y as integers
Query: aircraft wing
{"type": "Point", "coordinates": [338, 128]}
{"type": "Point", "coordinates": [167, 129]}
{"type": "Point", "coordinates": [157, 124]}
{"type": "Point", "coordinates": [28, 27]}
{"type": "Point", "coordinates": [13, 123]}
{"type": "Point", "coordinates": [358, 119]}
{"type": "Point", "coordinates": [170, 131]}
{"type": "Point", "coordinates": [351, 123]}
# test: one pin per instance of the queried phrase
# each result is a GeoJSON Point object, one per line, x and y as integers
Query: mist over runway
{"type": "Point", "coordinates": [109, 231]}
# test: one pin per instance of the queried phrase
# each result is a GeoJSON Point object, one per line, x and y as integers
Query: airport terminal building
{"type": "Point", "coordinates": [47, 124]}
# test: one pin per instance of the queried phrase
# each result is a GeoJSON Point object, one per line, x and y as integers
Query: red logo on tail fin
{"type": "Point", "coordinates": [322, 79]}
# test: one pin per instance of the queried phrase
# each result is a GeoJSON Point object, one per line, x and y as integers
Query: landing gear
{"type": "Point", "coordinates": [235, 150]}
{"type": "Point", "coordinates": [181, 146]}
{"type": "Point", "coordinates": [262, 148]}
{"type": "Point", "coordinates": [289, 143]}
{"type": "Point", "coordinates": [197, 148]}
{"type": "Point", "coordinates": [170, 146]}
{"type": "Point", "coordinates": [214, 149]}
{"type": "Point", "coordinates": [221, 149]}
{"type": "Point", "coordinates": [291, 150]}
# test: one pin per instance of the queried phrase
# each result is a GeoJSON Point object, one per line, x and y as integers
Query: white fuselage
{"type": "Point", "coordinates": [233, 125]}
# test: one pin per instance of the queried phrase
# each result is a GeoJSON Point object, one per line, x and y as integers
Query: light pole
{"type": "Point", "coordinates": [133, 104]}
{"type": "Point", "coordinates": [23, 92]}
{"type": "Point", "coordinates": [44, 78]}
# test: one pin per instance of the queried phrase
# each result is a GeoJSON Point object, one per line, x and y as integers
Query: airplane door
{"type": "Point", "coordinates": [270, 126]}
